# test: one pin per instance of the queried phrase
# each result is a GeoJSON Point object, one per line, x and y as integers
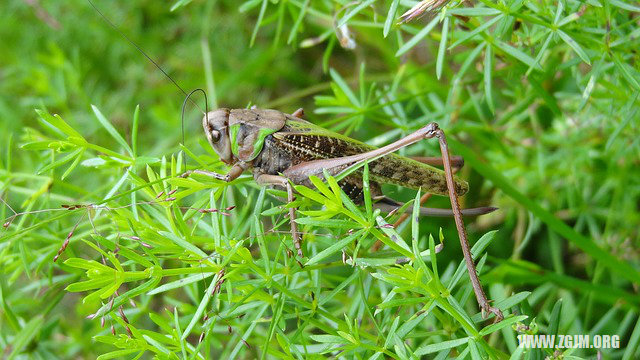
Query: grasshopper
{"type": "Point", "coordinates": [282, 149]}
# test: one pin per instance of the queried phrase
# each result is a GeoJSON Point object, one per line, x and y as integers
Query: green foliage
{"type": "Point", "coordinates": [540, 98]}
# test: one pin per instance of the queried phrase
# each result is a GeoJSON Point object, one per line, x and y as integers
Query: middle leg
{"type": "Point", "coordinates": [265, 180]}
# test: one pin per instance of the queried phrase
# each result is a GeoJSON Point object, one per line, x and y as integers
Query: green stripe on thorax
{"type": "Point", "coordinates": [249, 145]}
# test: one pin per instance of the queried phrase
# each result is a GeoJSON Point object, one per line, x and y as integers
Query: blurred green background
{"type": "Point", "coordinates": [540, 97]}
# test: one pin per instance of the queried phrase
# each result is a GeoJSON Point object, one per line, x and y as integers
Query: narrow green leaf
{"type": "Point", "coordinates": [526, 59]}
{"type": "Point", "coordinates": [554, 320]}
{"type": "Point", "coordinates": [328, 223]}
{"type": "Point", "coordinates": [326, 55]}
{"type": "Point", "coordinates": [625, 72]}
{"type": "Point", "coordinates": [342, 84]}
{"type": "Point", "coordinates": [111, 130]}
{"type": "Point", "coordinates": [25, 336]}
{"type": "Point", "coordinates": [469, 60]}
{"type": "Point", "coordinates": [366, 190]}
{"type": "Point", "coordinates": [176, 324]}
{"type": "Point", "coordinates": [391, 15]}
{"type": "Point", "coordinates": [437, 347]}
{"type": "Point", "coordinates": [97, 283]}
{"type": "Point", "coordinates": [73, 165]}
{"type": "Point", "coordinates": [575, 46]}
{"type": "Point", "coordinates": [488, 68]}
{"type": "Point", "coordinates": [333, 248]}
{"type": "Point", "coordinates": [475, 11]}
{"type": "Point", "coordinates": [207, 63]}
{"type": "Point", "coordinates": [624, 5]}
{"type": "Point", "coordinates": [473, 349]}
{"type": "Point", "coordinates": [310, 194]}
{"type": "Point", "coordinates": [559, 10]}
{"type": "Point", "coordinates": [476, 31]}
{"type": "Point", "coordinates": [263, 9]}
{"type": "Point", "coordinates": [197, 316]}
{"type": "Point", "coordinates": [183, 243]}
{"type": "Point", "coordinates": [512, 300]}
{"type": "Point", "coordinates": [591, 84]}
{"type": "Point", "coordinates": [415, 224]}
{"type": "Point", "coordinates": [296, 24]}
{"type": "Point", "coordinates": [124, 251]}
{"type": "Point", "coordinates": [419, 36]}
{"type": "Point", "coordinates": [180, 283]}
{"type": "Point", "coordinates": [628, 115]}
{"type": "Point", "coordinates": [248, 5]}
{"type": "Point", "coordinates": [568, 19]}
{"type": "Point", "coordinates": [332, 339]}
{"type": "Point", "coordinates": [392, 331]}
{"type": "Point", "coordinates": [393, 235]}
{"type": "Point", "coordinates": [632, 345]}
{"type": "Point", "coordinates": [502, 324]}
{"type": "Point", "coordinates": [117, 354]}
{"type": "Point", "coordinates": [156, 344]}
{"type": "Point", "coordinates": [57, 122]}
{"type": "Point", "coordinates": [544, 95]}
{"type": "Point", "coordinates": [178, 4]}
{"type": "Point", "coordinates": [321, 186]}
{"type": "Point", "coordinates": [354, 12]}
{"type": "Point", "coordinates": [86, 264]}
{"type": "Point", "coordinates": [442, 47]}
{"type": "Point", "coordinates": [62, 161]}
{"type": "Point", "coordinates": [536, 62]}
{"type": "Point", "coordinates": [476, 250]}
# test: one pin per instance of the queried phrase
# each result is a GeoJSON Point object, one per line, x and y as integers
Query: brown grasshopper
{"type": "Point", "coordinates": [283, 149]}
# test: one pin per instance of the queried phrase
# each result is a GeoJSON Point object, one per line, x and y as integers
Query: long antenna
{"type": "Point", "coordinates": [184, 103]}
{"type": "Point", "coordinates": [187, 96]}
{"type": "Point", "coordinates": [145, 55]}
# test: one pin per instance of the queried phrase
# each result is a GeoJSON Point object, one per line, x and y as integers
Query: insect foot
{"type": "Point", "coordinates": [488, 309]}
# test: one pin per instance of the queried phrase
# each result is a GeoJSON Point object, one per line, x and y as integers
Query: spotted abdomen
{"type": "Point", "coordinates": [392, 168]}
{"type": "Point", "coordinates": [399, 170]}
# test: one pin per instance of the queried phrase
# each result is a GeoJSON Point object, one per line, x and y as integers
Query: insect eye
{"type": "Point", "coordinates": [215, 135]}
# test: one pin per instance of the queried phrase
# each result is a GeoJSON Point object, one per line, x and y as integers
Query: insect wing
{"type": "Point", "coordinates": [315, 142]}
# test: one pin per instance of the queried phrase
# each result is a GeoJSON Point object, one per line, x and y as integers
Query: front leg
{"type": "Point", "coordinates": [266, 180]}
{"type": "Point", "coordinates": [235, 171]}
